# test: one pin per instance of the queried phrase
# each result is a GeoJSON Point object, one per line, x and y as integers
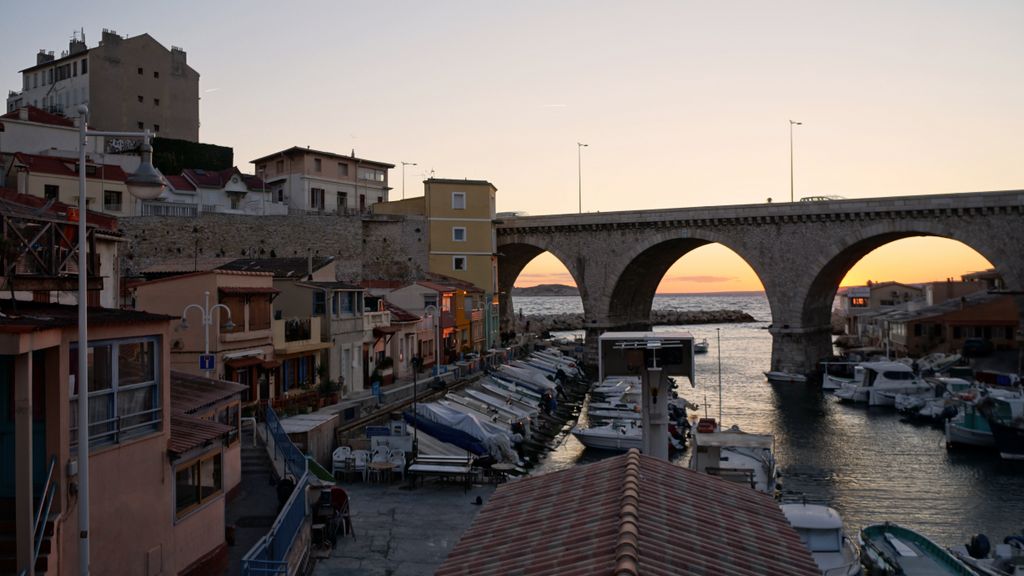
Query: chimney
{"type": "Point", "coordinates": [23, 113]}
{"type": "Point", "coordinates": [43, 57]}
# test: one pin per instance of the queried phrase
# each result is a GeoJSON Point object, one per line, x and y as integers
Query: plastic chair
{"type": "Point", "coordinates": [341, 459]}
{"type": "Point", "coordinates": [359, 459]}
{"type": "Point", "coordinates": [339, 501]}
{"type": "Point", "coordinates": [397, 458]}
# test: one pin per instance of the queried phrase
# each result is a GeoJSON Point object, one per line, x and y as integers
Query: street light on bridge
{"type": "Point", "coordinates": [791, 124]}
{"type": "Point", "coordinates": [579, 171]}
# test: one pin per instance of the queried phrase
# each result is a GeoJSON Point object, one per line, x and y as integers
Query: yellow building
{"type": "Point", "coordinates": [460, 214]}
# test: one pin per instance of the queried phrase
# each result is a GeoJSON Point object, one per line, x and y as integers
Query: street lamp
{"type": "Point", "coordinates": [579, 171]}
{"type": "Point", "coordinates": [791, 124]}
{"type": "Point", "coordinates": [404, 164]}
{"type": "Point", "coordinates": [207, 311]}
{"type": "Point", "coordinates": [145, 184]}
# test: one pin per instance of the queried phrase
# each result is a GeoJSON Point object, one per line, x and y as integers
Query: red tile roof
{"type": "Point", "coordinates": [400, 315]}
{"type": "Point", "coordinates": [39, 117]}
{"type": "Point", "coordinates": [179, 183]}
{"type": "Point", "coordinates": [58, 209]}
{"type": "Point", "coordinates": [220, 178]}
{"type": "Point", "coordinates": [68, 167]}
{"type": "Point", "coordinates": [629, 515]}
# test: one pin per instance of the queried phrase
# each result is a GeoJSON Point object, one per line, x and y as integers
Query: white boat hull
{"type": "Point", "coordinates": [776, 376]}
{"type": "Point", "coordinates": [621, 442]}
{"type": "Point", "coordinates": [957, 434]}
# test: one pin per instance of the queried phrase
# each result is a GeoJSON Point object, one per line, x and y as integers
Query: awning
{"type": "Point", "coordinates": [380, 331]}
{"type": "Point", "coordinates": [188, 432]}
{"type": "Point", "coordinates": [243, 362]}
{"type": "Point", "coordinates": [243, 290]}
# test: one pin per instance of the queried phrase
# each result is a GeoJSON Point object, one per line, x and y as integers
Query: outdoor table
{"type": "Point", "coordinates": [381, 468]}
{"type": "Point", "coordinates": [502, 470]}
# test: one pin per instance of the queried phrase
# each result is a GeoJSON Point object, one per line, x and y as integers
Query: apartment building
{"type": "Point", "coordinates": [309, 180]}
{"type": "Point", "coordinates": [129, 84]}
{"type": "Point", "coordinates": [56, 178]}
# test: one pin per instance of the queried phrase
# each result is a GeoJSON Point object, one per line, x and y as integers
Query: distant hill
{"type": "Point", "coordinates": [546, 290]}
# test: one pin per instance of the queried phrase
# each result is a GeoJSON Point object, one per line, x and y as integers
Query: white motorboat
{"type": "Point", "coordinates": [937, 406]}
{"type": "Point", "coordinates": [1006, 559]}
{"type": "Point", "coordinates": [878, 383]}
{"type": "Point", "coordinates": [620, 435]}
{"type": "Point", "coordinates": [734, 455]}
{"type": "Point", "coordinates": [780, 377]}
{"type": "Point", "coordinates": [821, 530]}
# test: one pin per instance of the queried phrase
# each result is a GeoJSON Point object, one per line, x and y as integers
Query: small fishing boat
{"type": "Point", "coordinates": [701, 347]}
{"type": "Point", "coordinates": [1006, 559]}
{"type": "Point", "coordinates": [780, 377]}
{"type": "Point", "coordinates": [821, 530]}
{"type": "Point", "coordinates": [620, 435]}
{"type": "Point", "coordinates": [1005, 414]}
{"type": "Point", "coordinates": [734, 455]}
{"type": "Point", "coordinates": [893, 549]}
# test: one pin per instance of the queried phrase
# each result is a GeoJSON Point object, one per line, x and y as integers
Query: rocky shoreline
{"type": "Point", "coordinates": [540, 323]}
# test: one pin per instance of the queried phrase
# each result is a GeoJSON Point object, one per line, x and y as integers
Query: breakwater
{"type": "Point", "coordinates": [540, 323]}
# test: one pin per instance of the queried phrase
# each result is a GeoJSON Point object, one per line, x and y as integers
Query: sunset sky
{"type": "Point", "coordinates": [681, 103]}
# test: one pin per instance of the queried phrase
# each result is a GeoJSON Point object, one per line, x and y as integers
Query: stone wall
{"type": "Point", "coordinates": [365, 248]}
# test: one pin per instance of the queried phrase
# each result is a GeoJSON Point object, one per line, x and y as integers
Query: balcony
{"type": "Point", "coordinates": [175, 209]}
{"type": "Point", "coordinates": [296, 335]}
{"type": "Point", "coordinates": [346, 325]}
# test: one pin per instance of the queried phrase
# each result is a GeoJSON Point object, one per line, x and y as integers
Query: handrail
{"type": "Point", "coordinates": [270, 554]}
{"type": "Point", "coordinates": [43, 512]}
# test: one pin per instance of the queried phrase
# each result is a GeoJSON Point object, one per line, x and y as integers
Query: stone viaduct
{"type": "Point", "coordinates": [800, 251]}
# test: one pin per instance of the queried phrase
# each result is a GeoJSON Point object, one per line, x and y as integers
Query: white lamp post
{"type": "Point", "coordinates": [579, 171]}
{"type": "Point", "coordinates": [404, 164]}
{"type": "Point", "coordinates": [145, 184]}
{"type": "Point", "coordinates": [436, 316]}
{"type": "Point", "coordinates": [207, 311]}
{"type": "Point", "coordinates": [791, 124]}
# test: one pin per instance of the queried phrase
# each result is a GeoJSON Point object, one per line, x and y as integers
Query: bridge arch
{"type": "Point", "coordinates": [513, 256]}
{"type": "Point", "coordinates": [647, 262]}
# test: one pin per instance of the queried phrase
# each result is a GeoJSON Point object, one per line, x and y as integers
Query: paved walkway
{"type": "Point", "coordinates": [254, 508]}
{"type": "Point", "coordinates": [402, 532]}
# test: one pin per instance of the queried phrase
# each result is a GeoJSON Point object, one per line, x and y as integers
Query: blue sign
{"type": "Point", "coordinates": [207, 361]}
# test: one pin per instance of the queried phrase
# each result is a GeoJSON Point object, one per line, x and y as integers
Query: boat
{"type": "Point", "coordinates": [878, 383]}
{"type": "Point", "coordinates": [821, 530]}
{"type": "Point", "coordinates": [620, 435]}
{"type": "Point", "coordinates": [780, 377]}
{"type": "Point", "coordinates": [734, 455]}
{"type": "Point", "coordinates": [1005, 416]}
{"type": "Point", "coordinates": [893, 549]}
{"type": "Point", "coordinates": [701, 347]}
{"type": "Point", "coordinates": [1006, 559]}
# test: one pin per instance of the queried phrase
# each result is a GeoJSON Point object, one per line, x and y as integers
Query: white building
{"type": "Point", "coordinates": [308, 180]}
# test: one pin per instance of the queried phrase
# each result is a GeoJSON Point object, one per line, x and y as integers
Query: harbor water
{"type": "Point", "coordinates": [869, 464]}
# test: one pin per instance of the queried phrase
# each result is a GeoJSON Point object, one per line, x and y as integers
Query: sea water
{"type": "Point", "coordinates": [866, 462]}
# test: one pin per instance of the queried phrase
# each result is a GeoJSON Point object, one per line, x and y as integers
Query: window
{"type": "Point", "coordinates": [429, 300]}
{"type": "Point", "coordinates": [124, 390]}
{"type": "Point", "coordinates": [112, 200]}
{"type": "Point", "coordinates": [380, 199]}
{"type": "Point", "coordinates": [140, 125]}
{"type": "Point", "coordinates": [229, 416]}
{"type": "Point", "coordinates": [316, 198]}
{"type": "Point", "coordinates": [344, 303]}
{"type": "Point", "coordinates": [236, 304]}
{"type": "Point", "coordinates": [85, 66]}
{"type": "Point", "coordinates": [316, 164]}
{"type": "Point", "coordinates": [279, 166]}
{"type": "Point", "coordinates": [342, 169]}
{"type": "Point", "coordinates": [156, 127]}
{"type": "Point", "coordinates": [259, 312]}
{"type": "Point", "coordinates": [74, 68]}
{"type": "Point", "coordinates": [458, 200]}
{"type": "Point", "coordinates": [446, 303]}
{"type": "Point", "coordinates": [156, 74]}
{"type": "Point", "coordinates": [342, 201]}
{"type": "Point", "coordinates": [459, 263]}
{"type": "Point", "coordinates": [371, 174]}
{"type": "Point", "coordinates": [319, 304]}
{"type": "Point", "coordinates": [141, 99]}
{"type": "Point", "coordinates": [51, 191]}
{"type": "Point", "coordinates": [859, 302]}
{"type": "Point", "coordinates": [280, 194]}
{"type": "Point", "coordinates": [458, 234]}
{"type": "Point", "coordinates": [156, 101]}
{"type": "Point", "coordinates": [140, 71]}
{"type": "Point", "coordinates": [196, 483]}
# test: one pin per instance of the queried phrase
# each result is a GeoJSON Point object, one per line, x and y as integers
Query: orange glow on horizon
{"type": "Point", "coordinates": [715, 268]}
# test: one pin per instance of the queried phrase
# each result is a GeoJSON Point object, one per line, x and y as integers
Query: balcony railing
{"type": "Point", "coordinates": [177, 209]}
{"type": "Point", "coordinates": [296, 329]}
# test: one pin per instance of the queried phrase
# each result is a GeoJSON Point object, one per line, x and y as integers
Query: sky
{"type": "Point", "coordinates": [680, 103]}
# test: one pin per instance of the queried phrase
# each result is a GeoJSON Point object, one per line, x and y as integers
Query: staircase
{"type": "Point", "coordinates": [255, 461]}
{"type": "Point", "coordinates": [9, 545]}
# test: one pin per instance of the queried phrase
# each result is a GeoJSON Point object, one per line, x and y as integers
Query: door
{"type": "Point", "coordinates": [7, 439]}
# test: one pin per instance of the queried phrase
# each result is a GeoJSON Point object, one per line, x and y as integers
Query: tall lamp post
{"type": "Point", "coordinates": [146, 184]}
{"type": "Point", "coordinates": [207, 311]}
{"type": "Point", "coordinates": [791, 124]}
{"type": "Point", "coordinates": [404, 164]}
{"type": "Point", "coordinates": [579, 171]}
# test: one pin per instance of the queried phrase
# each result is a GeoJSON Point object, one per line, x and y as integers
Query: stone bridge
{"type": "Point", "coordinates": [800, 251]}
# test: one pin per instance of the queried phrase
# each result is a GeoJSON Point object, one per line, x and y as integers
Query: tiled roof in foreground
{"type": "Point", "coordinates": [629, 515]}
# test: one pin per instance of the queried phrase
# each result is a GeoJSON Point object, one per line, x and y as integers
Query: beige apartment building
{"type": "Point", "coordinates": [129, 84]}
{"type": "Point", "coordinates": [53, 178]}
{"type": "Point", "coordinates": [309, 180]}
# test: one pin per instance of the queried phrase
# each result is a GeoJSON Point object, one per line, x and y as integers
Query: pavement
{"type": "Point", "coordinates": [401, 531]}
